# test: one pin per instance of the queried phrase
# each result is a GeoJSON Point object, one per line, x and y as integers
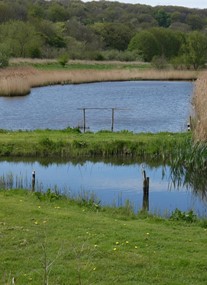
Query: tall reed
{"type": "Point", "coordinates": [18, 81]}
{"type": "Point", "coordinates": [200, 107]}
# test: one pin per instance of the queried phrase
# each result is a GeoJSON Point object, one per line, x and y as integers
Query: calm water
{"type": "Point", "coordinates": [112, 184]}
{"type": "Point", "coordinates": [151, 106]}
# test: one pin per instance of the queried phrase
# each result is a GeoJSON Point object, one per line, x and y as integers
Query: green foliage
{"type": "Point", "coordinates": [63, 59]}
{"type": "Point", "coordinates": [20, 38]}
{"type": "Point", "coordinates": [114, 35]}
{"type": "Point", "coordinates": [145, 44]}
{"type": "Point", "coordinates": [194, 50]}
{"type": "Point", "coordinates": [84, 30]}
{"type": "Point", "coordinates": [4, 57]}
{"type": "Point", "coordinates": [178, 215]}
{"type": "Point", "coordinates": [50, 196]}
{"type": "Point", "coordinates": [163, 18]}
{"type": "Point", "coordinates": [159, 62]}
{"type": "Point", "coordinates": [157, 42]}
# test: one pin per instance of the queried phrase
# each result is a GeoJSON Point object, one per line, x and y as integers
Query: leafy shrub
{"type": "Point", "coordinates": [48, 196]}
{"type": "Point", "coordinates": [4, 59]}
{"type": "Point", "coordinates": [159, 62]}
{"type": "Point", "coordinates": [63, 59]}
{"type": "Point", "coordinates": [178, 215]}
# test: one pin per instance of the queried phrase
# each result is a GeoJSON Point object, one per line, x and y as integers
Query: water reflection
{"type": "Point", "coordinates": [193, 179]}
{"type": "Point", "coordinates": [112, 184]}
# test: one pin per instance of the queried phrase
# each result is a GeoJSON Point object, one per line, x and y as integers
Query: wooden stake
{"type": "Point", "coordinates": [145, 203]}
{"type": "Point", "coordinates": [33, 180]}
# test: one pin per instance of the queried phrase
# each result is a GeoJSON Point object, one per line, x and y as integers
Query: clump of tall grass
{"type": "Point", "coordinates": [18, 81]}
{"type": "Point", "coordinates": [200, 106]}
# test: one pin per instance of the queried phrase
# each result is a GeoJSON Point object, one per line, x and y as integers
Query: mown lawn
{"type": "Point", "coordinates": [67, 243]}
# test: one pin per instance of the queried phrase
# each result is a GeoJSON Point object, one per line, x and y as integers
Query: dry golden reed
{"type": "Point", "coordinates": [200, 107]}
{"type": "Point", "coordinates": [18, 81]}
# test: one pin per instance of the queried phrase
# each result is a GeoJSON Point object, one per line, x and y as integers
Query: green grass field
{"type": "Point", "coordinates": [70, 143]}
{"type": "Point", "coordinates": [52, 240]}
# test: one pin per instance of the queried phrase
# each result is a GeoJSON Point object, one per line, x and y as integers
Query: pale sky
{"type": "Point", "coordinates": [201, 4]}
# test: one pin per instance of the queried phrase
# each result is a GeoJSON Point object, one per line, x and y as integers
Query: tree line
{"type": "Point", "coordinates": [103, 30]}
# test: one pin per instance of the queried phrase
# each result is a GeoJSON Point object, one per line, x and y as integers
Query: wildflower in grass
{"type": "Point", "coordinates": [136, 246]}
{"type": "Point", "coordinates": [127, 242]}
{"type": "Point", "coordinates": [147, 233]}
{"type": "Point", "coordinates": [39, 207]}
{"type": "Point", "coordinates": [117, 242]}
{"type": "Point", "coordinates": [114, 248]}
{"type": "Point", "coordinates": [95, 245]}
{"type": "Point", "coordinates": [36, 222]}
{"type": "Point", "coordinates": [94, 268]}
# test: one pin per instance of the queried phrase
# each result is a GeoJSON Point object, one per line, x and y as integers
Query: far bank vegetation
{"type": "Point", "coordinates": [18, 81]}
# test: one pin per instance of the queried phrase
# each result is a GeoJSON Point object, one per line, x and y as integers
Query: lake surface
{"type": "Point", "coordinates": [150, 106]}
{"type": "Point", "coordinates": [111, 184]}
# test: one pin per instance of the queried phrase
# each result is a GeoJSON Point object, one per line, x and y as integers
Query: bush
{"type": "Point", "coordinates": [159, 62]}
{"type": "Point", "coordinates": [4, 59]}
{"type": "Point", "coordinates": [63, 59]}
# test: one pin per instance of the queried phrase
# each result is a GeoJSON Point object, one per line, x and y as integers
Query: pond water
{"type": "Point", "coordinates": [149, 106]}
{"type": "Point", "coordinates": [112, 184]}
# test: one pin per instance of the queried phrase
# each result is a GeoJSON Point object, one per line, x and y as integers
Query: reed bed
{"type": "Point", "coordinates": [200, 107]}
{"type": "Point", "coordinates": [18, 81]}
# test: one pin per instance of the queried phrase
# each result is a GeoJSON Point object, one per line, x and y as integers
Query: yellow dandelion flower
{"type": "Point", "coordinates": [114, 248]}
{"type": "Point", "coordinates": [136, 246]}
{"type": "Point", "coordinates": [117, 242]}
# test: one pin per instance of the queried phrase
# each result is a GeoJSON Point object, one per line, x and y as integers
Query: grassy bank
{"type": "Point", "coordinates": [18, 80]}
{"type": "Point", "coordinates": [71, 143]}
{"type": "Point", "coordinates": [51, 239]}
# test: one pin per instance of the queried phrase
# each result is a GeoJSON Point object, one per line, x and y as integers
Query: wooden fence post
{"type": "Point", "coordinates": [145, 204]}
{"type": "Point", "coordinates": [112, 119]}
{"type": "Point", "coordinates": [33, 180]}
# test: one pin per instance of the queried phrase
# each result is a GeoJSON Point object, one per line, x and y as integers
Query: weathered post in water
{"type": "Point", "coordinates": [112, 119]}
{"type": "Point", "coordinates": [84, 120]}
{"type": "Point", "coordinates": [145, 203]}
{"type": "Point", "coordinates": [33, 180]}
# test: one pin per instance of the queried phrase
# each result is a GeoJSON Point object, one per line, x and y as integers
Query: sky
{"type": "Point", "coordinates": [201, 4]}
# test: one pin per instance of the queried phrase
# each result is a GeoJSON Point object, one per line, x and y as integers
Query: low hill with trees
{"type": "Point", "coordinates": [103, 30]}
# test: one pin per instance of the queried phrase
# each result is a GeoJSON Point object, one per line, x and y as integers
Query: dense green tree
{"type": "Point", "coordinates": [194, 50]}
{"type": "Point", "coordinates": [5, 12]}
{"type": "Point", "coordinates": [20, 38]}
{"type": "Point", "coordinates": [162, 18]}
{"type": "Point", "coordinates": [114, 36]}
{"type": "Point", "coordinates": [146, 44]}
{"type": "Point", "coordinates": [169, 41]}
{"type": "Point", "coordinates": [156, 42]}
{"type": "Point", "coordinates": [195, 21]}
{"type": "Point", "coordinates": [57, 13]}
{"type": "Point", "coordinates": [51, 34]}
